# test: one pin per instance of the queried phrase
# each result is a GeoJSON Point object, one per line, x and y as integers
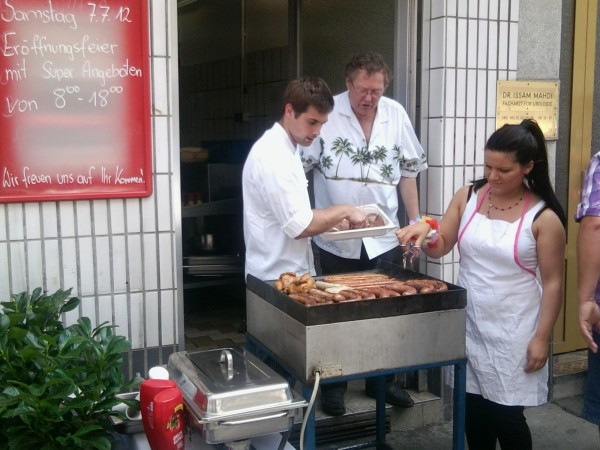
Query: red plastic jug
{"type": "Point", "coordinates": [169, 424]}
{"type": "Point", "coordinates": [148, 390]}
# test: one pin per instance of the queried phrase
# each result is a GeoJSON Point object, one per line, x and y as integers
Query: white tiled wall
{"type": "Point", "coordinates": [119, 256]}
{"type": "Point", "coordinates": [467, 46]}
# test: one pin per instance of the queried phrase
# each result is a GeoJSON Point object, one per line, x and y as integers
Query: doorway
{"type": "Point", "coordinates": [235, 60]}
{"type": "Point", "coordinates": [234, 63]}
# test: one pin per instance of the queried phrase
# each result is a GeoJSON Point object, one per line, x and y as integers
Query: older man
{"type": "Point", "coordinates": [367, 153]}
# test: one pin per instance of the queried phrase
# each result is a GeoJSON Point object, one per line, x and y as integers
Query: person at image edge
{"type": "Point", "coordinates": [588, 283]}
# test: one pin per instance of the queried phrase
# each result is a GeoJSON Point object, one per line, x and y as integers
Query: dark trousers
{"type": "Point", "coordinates": [591, 402]}
{"type": "Point", "coordinates": [332, 264]}
{"type": "Point", "coordinates": [488, 422]}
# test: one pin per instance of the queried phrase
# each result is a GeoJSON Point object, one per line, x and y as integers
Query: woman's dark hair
{"type": "Point", "coordinates": [308, 91]}
{"type": "Point", "coordinates": [526, 140]}
{"type": "Point", "coordinates": [370, 63]}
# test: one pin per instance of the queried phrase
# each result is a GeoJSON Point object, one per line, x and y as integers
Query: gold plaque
{"type": "Point", "coordinates": [538, 100]}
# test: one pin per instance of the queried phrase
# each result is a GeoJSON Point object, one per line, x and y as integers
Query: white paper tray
{"type": "Point", "coordinates": [362, 232]}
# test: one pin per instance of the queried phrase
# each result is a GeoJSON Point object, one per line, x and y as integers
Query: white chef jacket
{"type": "Point", "coordinates": [349, 171]}
{"type": "Point", "coordinates": [276, 208]}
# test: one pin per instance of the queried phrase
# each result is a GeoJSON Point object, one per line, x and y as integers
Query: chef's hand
{"type": "Point", "coordinates": [589, 315]}
{"type": "Point", "coordinates": [413, 234]}
{"type": "Point", "coordinates": [357, 218]}
{"type": "Point", "coordinates": [537, 354]}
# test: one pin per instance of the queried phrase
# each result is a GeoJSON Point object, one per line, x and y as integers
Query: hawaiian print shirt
{"type": "Point", "coordinates": [348, 170]}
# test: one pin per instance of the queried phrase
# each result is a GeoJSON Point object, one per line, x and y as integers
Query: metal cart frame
{"type": "Point", "coordinates": [458, 407]}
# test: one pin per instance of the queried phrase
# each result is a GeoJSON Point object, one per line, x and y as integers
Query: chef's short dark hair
{"type": "Point", "coordinates": [308, 91]}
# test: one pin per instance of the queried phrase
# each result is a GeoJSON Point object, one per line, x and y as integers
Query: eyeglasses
{"type": "Point", "coordinates": [375, 93]}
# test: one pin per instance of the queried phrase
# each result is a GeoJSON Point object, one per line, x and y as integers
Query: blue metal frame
{"type": "Point", "coordinates": [458, 406]}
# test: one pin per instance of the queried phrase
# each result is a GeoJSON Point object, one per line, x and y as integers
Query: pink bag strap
{"type": "Point", "coordinates": [515, 246]}
{"type": "Point", "coordinates": [479, 203]}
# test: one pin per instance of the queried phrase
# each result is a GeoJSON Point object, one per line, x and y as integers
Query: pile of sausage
{"type": "Point", "coordinates": [352, 287]}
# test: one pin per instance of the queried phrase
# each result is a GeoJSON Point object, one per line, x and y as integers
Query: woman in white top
{"type": "Point", "coordinates": [509, 230]}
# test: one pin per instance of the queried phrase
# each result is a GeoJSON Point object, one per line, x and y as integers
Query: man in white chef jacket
{"type": "Point", "coordinates": [278, 218]}
{"type": "Point", "coordinates": [367, 153]}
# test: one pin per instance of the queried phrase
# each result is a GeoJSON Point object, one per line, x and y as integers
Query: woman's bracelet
{"type": "Point", "coordinates": [433, 236]}
{"type": "Point", "coordinates": [415, 220]}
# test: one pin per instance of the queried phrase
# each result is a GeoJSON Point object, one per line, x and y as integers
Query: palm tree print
{"type": "Point", "coordinates": [341, 147]}
{"type": "Point", "coordinates": [387, 171]}
{"type": "Point", "coordinates": [362, 157]}
{"type": "Point", "coordinates": [377, 155]}
{"type": "Point", "coordinates": [386, 161]}
{"type": "Point", "coordinates": [398, 156]}
{"type": "Point", "coordinates": [326, 162]}
{"type": "Point", "coordinates": [306, 161]}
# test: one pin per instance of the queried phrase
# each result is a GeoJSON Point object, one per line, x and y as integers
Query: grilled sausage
{"type": "Point", "coordinates": [365, 295]}
{"type": "Point", "coordinates": [386, 292]}
{"type": "Point", "coordinates": [428, 286]}
{"type": "Point", "coordinates": [321, 296]}
{"type": "Point", "coordinates": [350, 294]}
{"type": "Point", "coordinates": [410, 291]}
{"type": "Point", "coordinates": [375, 290]}
{"type": "Point", "coordinates": [354, 278]}
{"type": "Point", "coordinates": [401, 288]}
{"type": "Point", "coordinates": [440, 286]}
{"type": "Point", "coordinates": [304, 299]}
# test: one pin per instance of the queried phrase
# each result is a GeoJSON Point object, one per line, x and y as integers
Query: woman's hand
{"type": "Point", "coordinates": [537, 354]}
{"type": "Point", "coordinates": [413, 234]}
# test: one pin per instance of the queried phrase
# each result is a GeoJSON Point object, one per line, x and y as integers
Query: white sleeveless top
{"type": "Point", "coordinates": [498, 265]}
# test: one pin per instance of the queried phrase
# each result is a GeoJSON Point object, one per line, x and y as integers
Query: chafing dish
{"type": "Point", "coordinates": [231, 395]}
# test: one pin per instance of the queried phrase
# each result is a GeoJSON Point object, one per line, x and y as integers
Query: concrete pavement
{"type": "Point", "coordinates": [554, 426]}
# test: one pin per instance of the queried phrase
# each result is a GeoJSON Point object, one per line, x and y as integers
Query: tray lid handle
{"type": "Point", "coordinates": [227, 363]}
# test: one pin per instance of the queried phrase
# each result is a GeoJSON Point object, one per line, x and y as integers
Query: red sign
{"type": "Point", "coordinates": [74, 100]}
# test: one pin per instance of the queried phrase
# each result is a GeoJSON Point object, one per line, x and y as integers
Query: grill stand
{"type": "Point", "coordinates": [458, 404]}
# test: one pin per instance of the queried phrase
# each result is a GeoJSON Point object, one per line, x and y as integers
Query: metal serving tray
{"type": "Point", "coordinates": [232, 395]}
{"type": "Point", "coordinates": [362, 232]}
